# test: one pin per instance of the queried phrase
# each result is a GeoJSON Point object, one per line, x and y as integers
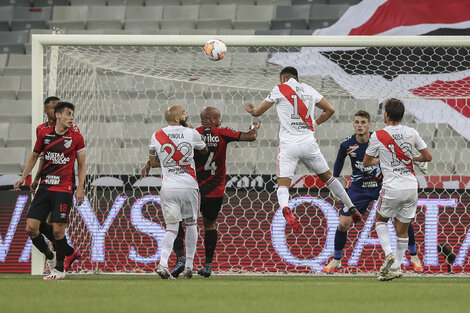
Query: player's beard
{"type": "Point", "coordinates": [183, 123]}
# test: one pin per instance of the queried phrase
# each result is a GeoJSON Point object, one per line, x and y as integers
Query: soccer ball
{"type": "Point", "coordinates": [215, 49]}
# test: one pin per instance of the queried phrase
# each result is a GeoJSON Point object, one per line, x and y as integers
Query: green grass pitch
{"type": "Point", "coordinates": [243, 293]}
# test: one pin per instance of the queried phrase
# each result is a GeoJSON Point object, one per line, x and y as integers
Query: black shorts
{"type": "Point", "coordinates": [45, 201]}
{"type": "Point", "coordinates": [210, 207]}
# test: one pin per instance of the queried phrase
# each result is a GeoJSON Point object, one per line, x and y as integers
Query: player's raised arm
{"type": "Point", "coordinates": [328, 111]}
{"type": "Point", "coordinates": [263, 107]}
{"type": "Point", "coordinates": [252, 134]}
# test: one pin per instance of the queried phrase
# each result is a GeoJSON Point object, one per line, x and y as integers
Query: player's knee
{"type": "Point", "coordinates": [344, 226]}
{"type": "Point", "coordinates": [173, 227]}
{"type": "Point", "coordinates": [210, 224]}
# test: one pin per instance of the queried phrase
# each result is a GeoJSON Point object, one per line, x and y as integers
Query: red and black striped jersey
{"type": "Point", "coordinates": [60, 152]}
{"type": "Point", "coordinates": [210, 168]}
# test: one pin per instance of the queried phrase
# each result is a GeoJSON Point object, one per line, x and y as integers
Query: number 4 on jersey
{"type": "Point", "coordinates": [210, 165]}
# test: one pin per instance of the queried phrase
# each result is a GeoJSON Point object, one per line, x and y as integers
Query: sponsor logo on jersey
{"type": "Point", "coordinates": [47, 141]}
{"type": "Point", "coordinates": [210, 140]}
{"type": "Point", "coordinates": [56, 158]}
{"type": "Point", "coordinates": [67, 143]}
{"type": "Point", "coordinates": [52, 180]}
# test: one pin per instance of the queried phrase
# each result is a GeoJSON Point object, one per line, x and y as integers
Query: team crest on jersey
{"type": "Point", "coordinates": [67, 143]}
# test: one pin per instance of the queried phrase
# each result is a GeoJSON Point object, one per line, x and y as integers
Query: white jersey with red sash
{"type": "Point", "coordinates": [295, 103]}
{"type": "Point", "coordinates": [174, 146]}
{"type": "Point", "coordinates": [394, 146]}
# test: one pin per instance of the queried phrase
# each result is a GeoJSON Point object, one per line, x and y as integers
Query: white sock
{"type": "Point", "coordinates": [191, 243]}
{"type": "Point", "coordinates": [167, 246]}
{"type": "Point", "coordinates": [338, 190]}
{"type": "Point", "coordinates": [384, 237]}
{"type": "Point", "coordinates": [283, 196]}
{"type": "Point", "coordinates": [402, 245]}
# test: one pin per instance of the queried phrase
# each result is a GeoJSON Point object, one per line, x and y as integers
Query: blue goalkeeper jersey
{"type": "Point", "coordinates": [363, 177]}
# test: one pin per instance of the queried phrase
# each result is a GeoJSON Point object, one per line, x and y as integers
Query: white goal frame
{"type": "Point", "coordinates": [40, 41]}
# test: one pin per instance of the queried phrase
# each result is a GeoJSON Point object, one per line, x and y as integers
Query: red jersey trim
{"type": "Point", "coordinates": [385, 138]}
{"type": "Point", "coordinates": [288, 92]}
{"type": "Point", "coordinates": [163, 138]}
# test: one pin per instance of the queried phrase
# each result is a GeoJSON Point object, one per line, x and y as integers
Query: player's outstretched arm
{"type": "Point", "coordinates": [263, 107]}
{"type": "Point", "coordinates": [328, 111]}
{"type": "Point", "coordinates": [29, 166]}
{"type": "Point", "coordinates": [154, 161]}
{"type": "Point", "coordinates": [35, 182]}
{"type": "Point", "coordinates": [145, 170]}
{"type": "Point", "coordinates": [80, 193]}
{"type": "Point", "coordinates": [424, 157]}
{"type": "Point", "coordinates": [252, 134]}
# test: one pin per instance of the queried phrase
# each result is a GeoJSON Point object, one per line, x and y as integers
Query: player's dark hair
{"type": "Point", "coordinates": [49, 99]}
{"type": "Point", "coordinates": [395, 109]}
{"type": "Point", "coordinates": [61, 106]}
{"type": "Point", "coordinates": [364, 114]}
{"type": "Point", "coordinates": [289, 71]}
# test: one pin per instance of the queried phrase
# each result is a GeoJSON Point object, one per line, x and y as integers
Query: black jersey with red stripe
{"type": "Point", "coordinates": [60, 152]}
{"type": "Point", "coordinates": [210, 168]}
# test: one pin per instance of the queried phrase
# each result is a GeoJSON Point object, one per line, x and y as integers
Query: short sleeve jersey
{"type": "Point", "coordinates": [210, 168]}
{"type": "Point", "coordinates": [60, 152]}
{"type": "Point", "coordinates": [174, 146]}
{"type": "Point", "coordinates": [398, 173]}
{"type": "Point", "coordinates": [295, 103]}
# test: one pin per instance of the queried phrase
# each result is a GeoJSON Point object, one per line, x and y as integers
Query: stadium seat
{"type": "Point", "coordinates": [314, 23]}
{"type": "Point", "coordinates": [87, 2]}
{"type": "Point", "coordinates": [4, 130]}
{"type": "Point", "coordinates": [297, 2]}
{"type": "Point", "coordinates": [253, 17]}
{"type": "Point", "coordinates": [327, 11]}
{"type": "Point", "coordinates": [162, 2]}
{"type": "Point", "coordinates": [293, 12]}
{"type": "Point", "coordinates": [8, 87]}
{"type": "Point", "coordinates": [116, 2]}
{"type": "Point", "coordinates": [6, 14]}
{"type": "Point", "coordinates": [288, 23]}
{"type": "Point", "coordinates": [138, 134]}
{"type": "Point", "coordinates": [27, 18]}
{"type": "Point", "coordinates": [47, 3]}
{"type": "Point", "coordinates": [12, 160]}
{"type": "Point", "coordinates": [69, 17]}
{"type": "Point", "coordinates": [19, 135]}
{"type": "Point", "coordinates": [202, 31]}
{"type": "Point", "coordinates": [18, 64]}
{"type": "Point", "coordinates": [238, 2]}
{"type": "Point", "coordinates": [301, 32]}
{"type": "Point", "coordinates": [216, 16]}
{"type": "Point", "coordinates": [3, 61]}
{"type": "Point", "coordinates": [109, 131]}
{"type": "Point", "coordinates": [273, 32]}
{"type": "Point", "coordinates": [348, 2]}
{"type": "Point", "coordinates": [141, 25]}
{"type": "Point", "coordinates": [181, 13]}
{"type": "Point", "coordinates": [154, 13]}
{"type": "Point", "coordinates": [276, 2]}
{"type": "Point", "coordinates": [13, 42]}
{"type": "Point", "coordinates": [135, 3]}
{"type": "Point", "coordinates": [18, 3]}
{"type": "Point", "coordinates": [15, 111]}
{"type": "Point", "coordinates": [104, 17]}
{"type": "Point", "coordinates": [225, 31]}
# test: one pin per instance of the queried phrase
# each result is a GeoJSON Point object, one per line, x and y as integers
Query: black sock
{"type": "Point", "coordinates": [46, 230]}
{"type": "Point", "coordinates": [178, 245]}
{"type": "Point", "coordinates": [411, 240]}
{"type": "Point", "coordinates": [63, 247]}
{"type": "Point", "coordinates": [40, 243]}
{"type": "Point", "coordinates": [340, 241]}
{"type": "Point", "coordinates": [210, 241]}
{"type": "Point", "coordinates": [59, 265]}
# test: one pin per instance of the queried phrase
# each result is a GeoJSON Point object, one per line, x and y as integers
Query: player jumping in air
{"type": "Point", "coordinates": [399, 195]}
{"type": "Point", "coordinates": [295, 104]}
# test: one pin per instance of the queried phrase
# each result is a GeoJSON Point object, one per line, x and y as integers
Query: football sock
{"type": "Point", "coordinates": [283, 196]}
{"type": "Point", "coordinates": [384, 237]}
{"type": "Point", "coordinates": [63, 246]}
{"type": "Point", "coordinates": [40, 243]}
{"type": "Point", "coordinates": [167, 244]}
{"type": "Point", "coordinates": [178, 246]}
{"type": "Point", "coordinates": [210, 241]}
{"type": "Point", "coordinates": [46, 230]}
{"type": "Point", "coordinates": [338, 190]}
{"type": "Point", "coordinates": [411, 240]}
{"type": "Point", "coordinates": [340, 242]}
{"type": "Point", "coordinates": [191, 243]}
{"type": "Point", "coordinates": [402, 244]}
{"type": "Point", "coordinates": [59, 265]}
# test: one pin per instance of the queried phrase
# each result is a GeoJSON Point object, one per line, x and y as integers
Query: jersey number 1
{"type": "Point", "coordinates": [307, 100]}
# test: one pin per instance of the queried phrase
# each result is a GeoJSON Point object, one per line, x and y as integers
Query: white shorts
{"type": "Point", "coordinates": [400, 204]}
{"type": "Point", "coordinates": [308, 152]}
{"type": "Point", "coordinates": [180, 204]}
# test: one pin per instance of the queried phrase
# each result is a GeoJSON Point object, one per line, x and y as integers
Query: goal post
{"type": "Point", "coordinates": [121, 85]}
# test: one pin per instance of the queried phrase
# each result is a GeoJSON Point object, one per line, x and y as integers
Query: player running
{"type": "Point", "coordinates": [172, 148]}
{"type": "Point", "coordinates": [295, 104]}
{"type": "Point", "coordinates": [366, 183]}
{"type": "Point", "coordinates": [399, 195]}
{"type": "Point", "coordinates": [60, 146]}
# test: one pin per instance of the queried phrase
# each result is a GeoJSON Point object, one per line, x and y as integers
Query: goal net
{"type": "Point", "coordinates": [121, 86]}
